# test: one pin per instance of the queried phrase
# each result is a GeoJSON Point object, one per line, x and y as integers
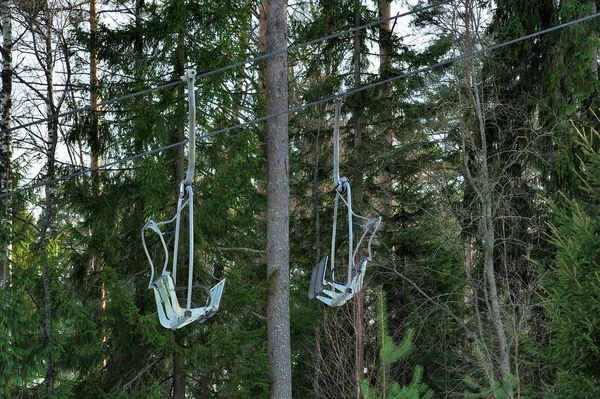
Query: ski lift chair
{"type": "Point", "coordinates": [323, 285]}
{"type": "Point", "coordinates": [171, 313]}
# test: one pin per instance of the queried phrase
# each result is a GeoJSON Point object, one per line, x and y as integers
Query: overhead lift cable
{"type": "Point", "coordinates": [215, 71]}
{"type": "Point", "coordinates": [310, 104]}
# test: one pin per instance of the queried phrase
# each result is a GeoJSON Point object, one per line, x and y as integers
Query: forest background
{"type": "Point", "coordinates": [484, 166]}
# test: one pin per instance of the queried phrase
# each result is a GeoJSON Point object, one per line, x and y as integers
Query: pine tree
{"type": "Point", "coordinates": [389, 353]}
{"type": "Point", "coordinates": [571, 283]}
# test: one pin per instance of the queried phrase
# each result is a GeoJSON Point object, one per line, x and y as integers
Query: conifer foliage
{"type": "Point", "coordinates": [389, 353]}
{"type": "Point", "coordinates": [572, 282]}
{"type": "Point", "coordinates": [487, 251]}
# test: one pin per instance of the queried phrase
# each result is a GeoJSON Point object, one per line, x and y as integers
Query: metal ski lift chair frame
{"type": "Point", "coordinates": [170, 313]}
{"type": "Point", "coordinates": [323, 285]}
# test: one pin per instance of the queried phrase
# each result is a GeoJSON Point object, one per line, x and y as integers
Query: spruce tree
{"type": "Point", "coordinates": [571, 284]}
{"type": "Point", "coordinates": [389, 353]}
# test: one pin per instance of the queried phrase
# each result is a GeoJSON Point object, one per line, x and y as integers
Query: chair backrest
{"type": "Point", "coordinates": [317, 279]}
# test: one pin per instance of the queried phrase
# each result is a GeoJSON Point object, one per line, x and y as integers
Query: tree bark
{"type": "Point", "coordinates": [179, 369]}
{"type": "Point", "coordinates": [385, 68]}
{"type": "Point", "coordinates": [96, 259]}
{"type": "Point", "coordinates": [486, 197]}
{"type": "Point", "coordinates": [6, 136]}
{"type": "Point", "coordinates": [139, 65]}
{"type": "Point", "coordinates": [94, 98]}
{"type": "Point", "coordinates": [594, 60]}
{"type": "Point", "coordinates": [179, 381]}
{"type": "Point", "coordinates": [468, 44]}
{"type": "Point", "coordinates": [357, 201]}
{"type": "Point", "coordinates": [385, 32]}
{"type": "Point", "coordinates": [49, 228]}
{"type": "Point", "coordinates": [278, 313]}
{"type": "Point", "coordinates": [262, 42]}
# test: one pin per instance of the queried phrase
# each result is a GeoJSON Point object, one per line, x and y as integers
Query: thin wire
{"type": "Point", "coordinates": [322, 39]}
{"type": "Point", "coordinates": [88, 170]}
{"type": "Point", "coordinates": [222, 69]}
{"type": "Point", "coordinates": [307, 105]}
{"type": "Point", "coordinates": [402, 76]}
{"type": "Point", "coordinates": [91, 106]}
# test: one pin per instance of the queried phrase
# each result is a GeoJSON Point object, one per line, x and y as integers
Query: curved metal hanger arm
{"type": "Point", "coordinates": [170, 312]}
{"type": "Point", "coordinates": [323, 286]}
{"type": "Point", "coordinates": [189, 78]}
{"type": "Point", "coordinates": [336, 142]}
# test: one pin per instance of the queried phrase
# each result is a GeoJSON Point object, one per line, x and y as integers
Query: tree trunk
{"type": "Point", "coordinates": [49, 228]}
{"type": "Point", "coordinates": [178, 368]}
{"type": "Point", "coordinates": [278, 312]}
{"type": "Point", "coordinates": [262, 48]}
{"type": "Point", "coordinates": [96, 260]}
{"type": "Point", "coordinates": [486, 197]}
{"type": "Point", "coordinates": [94, 99]}
{"type": "Point", "coordinates": [357, 200]}
{"type": "Point", "coordinates": [385, 67]}
{"type": "Point", "coordinates": [385, 32]}
{"type": "Point", "coordinates": [594, 60]}
{"type": "Point", "coordinates": [179, 383]}
{"type": "Point", "coordinates": [139, 66]}
{"type": "Point", "coordinates": [6, 137]}
{"type": "Point", "coordinates": [468, 44]}
{"type": "Point", "coordinates": [594, 73]}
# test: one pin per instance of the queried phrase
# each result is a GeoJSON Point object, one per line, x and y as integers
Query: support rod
{"type": "Point", "coordinates": [189, 78]}
{"type": "Point", "coordinates": [336, 142]}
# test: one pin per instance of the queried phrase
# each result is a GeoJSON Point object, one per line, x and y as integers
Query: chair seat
{"type": "Point", "coordinates": [328, 291]}
{"type": "Point", "coordinates": [171, 314]}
